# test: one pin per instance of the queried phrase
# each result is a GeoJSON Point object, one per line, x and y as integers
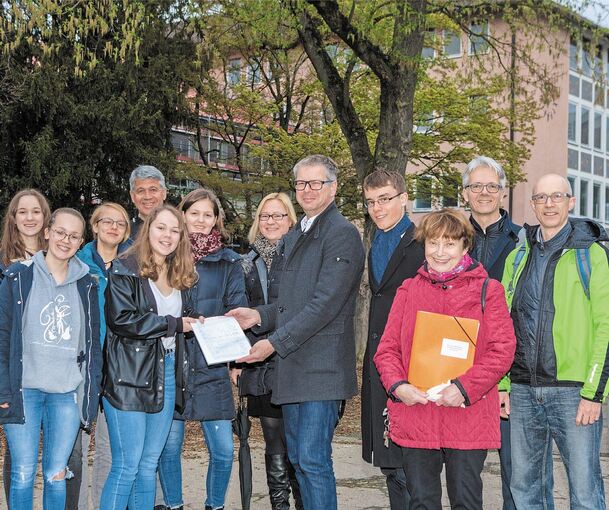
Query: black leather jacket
{"type": "Point", "coordinates": [134, 371]}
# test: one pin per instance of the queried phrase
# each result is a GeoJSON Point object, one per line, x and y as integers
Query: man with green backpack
{"type": "Point", "coordinates": [556, 287]}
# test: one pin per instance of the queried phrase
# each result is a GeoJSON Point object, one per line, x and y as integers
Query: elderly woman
{"type": "Point", "coordinates": [463, 423]}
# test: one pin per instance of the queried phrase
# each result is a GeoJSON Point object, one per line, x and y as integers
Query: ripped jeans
{"type": "Point", "coordinates": [59, 417]}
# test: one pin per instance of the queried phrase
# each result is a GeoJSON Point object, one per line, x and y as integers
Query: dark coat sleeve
{"type": "Point", "coordinates": [6, 325]}
{"type": "Point", "coordinates": [124, 318]}
{"type": "Point", "coordinates": [235, 295]}
{"type": "Point", "coordinates": [342, 265]}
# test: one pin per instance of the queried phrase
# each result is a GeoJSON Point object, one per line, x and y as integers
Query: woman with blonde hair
{"type": "Point", "coordinates": [146, 317]}
{"type": "Point", "coordinates": [274, 217]}
{"type": "Point", "coordinates": [110, 226]}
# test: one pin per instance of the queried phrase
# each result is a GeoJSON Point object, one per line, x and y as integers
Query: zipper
{"type": "Point", "coordinates": [88, 395]}
{"type": "Point", "coordinates": [21, 335]}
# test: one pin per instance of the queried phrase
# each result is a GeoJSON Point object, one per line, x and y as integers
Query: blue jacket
{"type": "Point", "coordinates": [89, 255]}
{"type": "Point", "coordinates": [14, 293]}
{"type": "Point", "coordinates": [221, 287]}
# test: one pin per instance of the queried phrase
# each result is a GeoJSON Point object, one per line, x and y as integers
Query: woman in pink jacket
{"type": "Point", "coordinates": [463, 423]}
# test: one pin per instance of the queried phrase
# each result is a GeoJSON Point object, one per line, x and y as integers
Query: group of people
{"type": "Point", "coordinates": [539, 372]}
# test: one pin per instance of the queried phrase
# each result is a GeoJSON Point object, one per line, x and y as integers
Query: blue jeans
{"type": "Point", "coordinates": [540, 414]}
{"type": "Point", "coordinates": [59, 417]}
{"type": "Point", "coordinates": [136, 441]}
{"type": "Point", "coordinates": [219, 440]}
{"type": "Point", "coordinates": [309, 428]}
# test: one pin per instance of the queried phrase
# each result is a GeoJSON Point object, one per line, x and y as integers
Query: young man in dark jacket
{"type": "Point", "coordinates": [394, 257]}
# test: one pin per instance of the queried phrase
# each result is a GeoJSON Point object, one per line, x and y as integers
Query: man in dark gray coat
{"type": "Point", "coordinates": [321, 261]}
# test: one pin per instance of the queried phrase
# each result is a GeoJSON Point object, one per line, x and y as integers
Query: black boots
{"type": "Point", "coordinates": [280, 476]}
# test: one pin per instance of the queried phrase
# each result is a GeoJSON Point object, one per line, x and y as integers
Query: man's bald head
{"type": "Point", "coordinates": [552, 182]}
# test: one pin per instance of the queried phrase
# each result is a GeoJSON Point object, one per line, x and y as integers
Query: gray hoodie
{"type": "Point", "coordinates": [53, 329]}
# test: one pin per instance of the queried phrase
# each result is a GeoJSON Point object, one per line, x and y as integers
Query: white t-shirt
{"type": "Point", "coordinates": [167, 305]}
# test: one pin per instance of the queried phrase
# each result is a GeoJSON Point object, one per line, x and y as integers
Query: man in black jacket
{"type": "Point", "coordinates": [394, 256]}
{"type": "Point", "coordinates": [320, 263]}
{"type": "Point", "coordinates": [484, 188]}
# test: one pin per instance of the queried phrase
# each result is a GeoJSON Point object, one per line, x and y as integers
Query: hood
{"type": "Point", "coordinates": [584, 233]}
{"type": "Point", "coordinates": [90, 256]}
{"type": "Point", "coordinates": [76, 269]}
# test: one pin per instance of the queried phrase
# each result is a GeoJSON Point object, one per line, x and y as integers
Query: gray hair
{"type": "Point", "coordinates": [315, 160]}
{"type": "Point", "coordinates": [146, 172]}
{"type": "Point", "coordinates": [484, 161]}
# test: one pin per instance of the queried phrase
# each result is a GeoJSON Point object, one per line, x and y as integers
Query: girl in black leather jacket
{"type": "Point", "coordinates": [146, 307]}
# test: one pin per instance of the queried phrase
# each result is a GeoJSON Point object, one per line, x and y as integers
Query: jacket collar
{"type": "Point", "coordinates": [222, 254]}
{"type": "Point", "coordinates": [504, 225]}
{"type": "Point", "coordinates": [395, 260]}
{"type": "Point", "coordinates": [584, 233]}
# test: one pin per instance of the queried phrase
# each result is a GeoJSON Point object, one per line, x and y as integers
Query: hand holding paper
{"type": "Point", "coordinates": [261, 350]}
{"type": "Point", "coordinates": [410, 395]}
{"type": "Point", "coordinates": [450, 396]}
{"type": "Point", "coordinates": [221, 339]}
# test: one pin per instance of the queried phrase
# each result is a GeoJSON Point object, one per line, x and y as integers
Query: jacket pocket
{"type": "Point", "coordinates": [136, 363]}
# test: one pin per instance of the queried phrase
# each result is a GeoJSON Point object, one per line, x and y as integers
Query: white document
{"type": "Point", "coordinates": [454, 348]}
{"type": "Point", "coordinates": [221, 339]}
{"type": "Point", "coordinates": [433, 393]}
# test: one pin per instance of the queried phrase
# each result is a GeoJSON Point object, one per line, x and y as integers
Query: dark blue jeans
{"type": "Point", "coordinates": [309, 428]}
{"type": "Point", "coordinates": [59, 417]}
{"type": "Point", "coordinates": [540, 414]}
{"type": "Point", "coordinates": [137, 440]}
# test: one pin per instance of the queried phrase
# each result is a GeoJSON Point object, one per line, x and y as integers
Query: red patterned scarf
{"type": "Point", "coordinates": [461, 266]}
{"type": "Point", "coordinates": [204, 244]}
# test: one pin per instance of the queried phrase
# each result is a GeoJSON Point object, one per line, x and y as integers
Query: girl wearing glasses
{"type": "Point", "coordinates": [110, 225]}
{"type": "Point", "coordinates": [26, 217]}
{"type": "Point", "coordinates": [209, 399]}
{"type": "Point", "coordinates": [274, 217]}
{"type": "Point", "coordinates": [50, 359]}
{"type": "Point", "coordinates": [147, 303]}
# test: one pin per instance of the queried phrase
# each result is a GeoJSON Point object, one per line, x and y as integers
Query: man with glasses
{"type": "Point", "coordinates": [556, 287]}
{"type": "Point", "coordinates": [148, 191]}
{"type": "Point", "coordinates": [484, 188]}
{"type": "Point", "coordinates": [319, 263]}
{"type": "Point", "coordinates": [394, 256]}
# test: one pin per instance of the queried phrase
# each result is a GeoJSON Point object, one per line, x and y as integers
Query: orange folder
{"type": "Point", "coordinates": [443, 347]}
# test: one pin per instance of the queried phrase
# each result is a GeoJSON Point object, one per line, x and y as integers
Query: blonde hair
{"type": "Point", "coordinates": [181, 272]}
{"type": "Point", "coordinates": [97, 215]}
{"type": "Point", "coordinates": [287, 203]}
{"type": "Point", "coordinates": [446, 223]}
{"type": "Point", "coordinates": [11, 245]}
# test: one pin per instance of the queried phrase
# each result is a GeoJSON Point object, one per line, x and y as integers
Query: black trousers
{"type": "Point", "coordinates": [399, 499]}
{"type": "Point", "coordinates": [423, 469]}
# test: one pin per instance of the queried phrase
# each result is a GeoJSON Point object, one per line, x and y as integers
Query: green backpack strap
{"type": "Point", "coordinates": [584, 268]}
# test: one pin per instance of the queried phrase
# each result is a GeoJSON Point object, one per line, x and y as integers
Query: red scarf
{"type": "Point", "coordinates": [461, 266]}
{"type": "Point", "coordinates": [204, 244]}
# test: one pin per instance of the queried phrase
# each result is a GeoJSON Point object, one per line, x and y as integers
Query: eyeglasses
{"type": "Point", "coordinates": [477, 187]}
{"type": "Point", "coordinates": [369, 204]}
{"type": "Point", "coordinates": [267, 217]}
{"type": "Point", "coordinates": [557, 197]}
{"type": "Point", "coordinates": [109, 222]}
{"type": "Point", "coordinates": [62, 234]}
{"type": "Point", "coordinates": [314, 185]}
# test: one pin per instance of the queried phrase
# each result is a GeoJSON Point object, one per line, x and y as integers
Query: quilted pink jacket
{"type": "Point", "coordinates": [476, 426]}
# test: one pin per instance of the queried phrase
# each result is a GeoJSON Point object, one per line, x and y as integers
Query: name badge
{"type": "Point", "coordinates": [454, 348]}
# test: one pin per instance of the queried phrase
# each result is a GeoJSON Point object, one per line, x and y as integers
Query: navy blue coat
{"type": "Point", "coordinates": [14, 291]}
{"type": "Point", "coordinates": [221, 287]}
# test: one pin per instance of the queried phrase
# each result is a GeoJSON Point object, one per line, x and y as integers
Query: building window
{"type": "Point", "coordinates": [423, 193]}
{"type": "Point", "coordinates": [607, 135]}
{"type": "Point", "coordinates": [573, 85]}
{"type": "Point", "coordinates": [607, 203]}
{"type": "Point", "coordinates": [583, 197]}
{"type": "Point", "coordinates": [478, 42]}
{"type": "Point", "coordinates": [586, 90]}
{"type": "Point", "coordinates": [584, 123]}
{"type": "Point", "coordinates": [452, 44]}
{"type": "Point", "coordinates": [599, 165]}
{"type": "Point", "coordinates": [587, 63]}
{"type": "Point", "coordinates": [573, 51]}
{"type": "Point", "coordinates": [253, 72]}
{"type": "Point", "coordinates": [428, 51]}
{"type": "Point", "coordinates": [234, 71]}
{"type": "Point", "coordinates": [573, 159]}
{"type": "Point", "coordinates": [598, 129]}
{"type": "Point", "coordinates": [586, 162]}
{"type": "Point", "coordinates": [572, 123]}
{"type": "Point", "coordinates": [599, 96]}
{"type": "Point", "coordinates": [596, 201]}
